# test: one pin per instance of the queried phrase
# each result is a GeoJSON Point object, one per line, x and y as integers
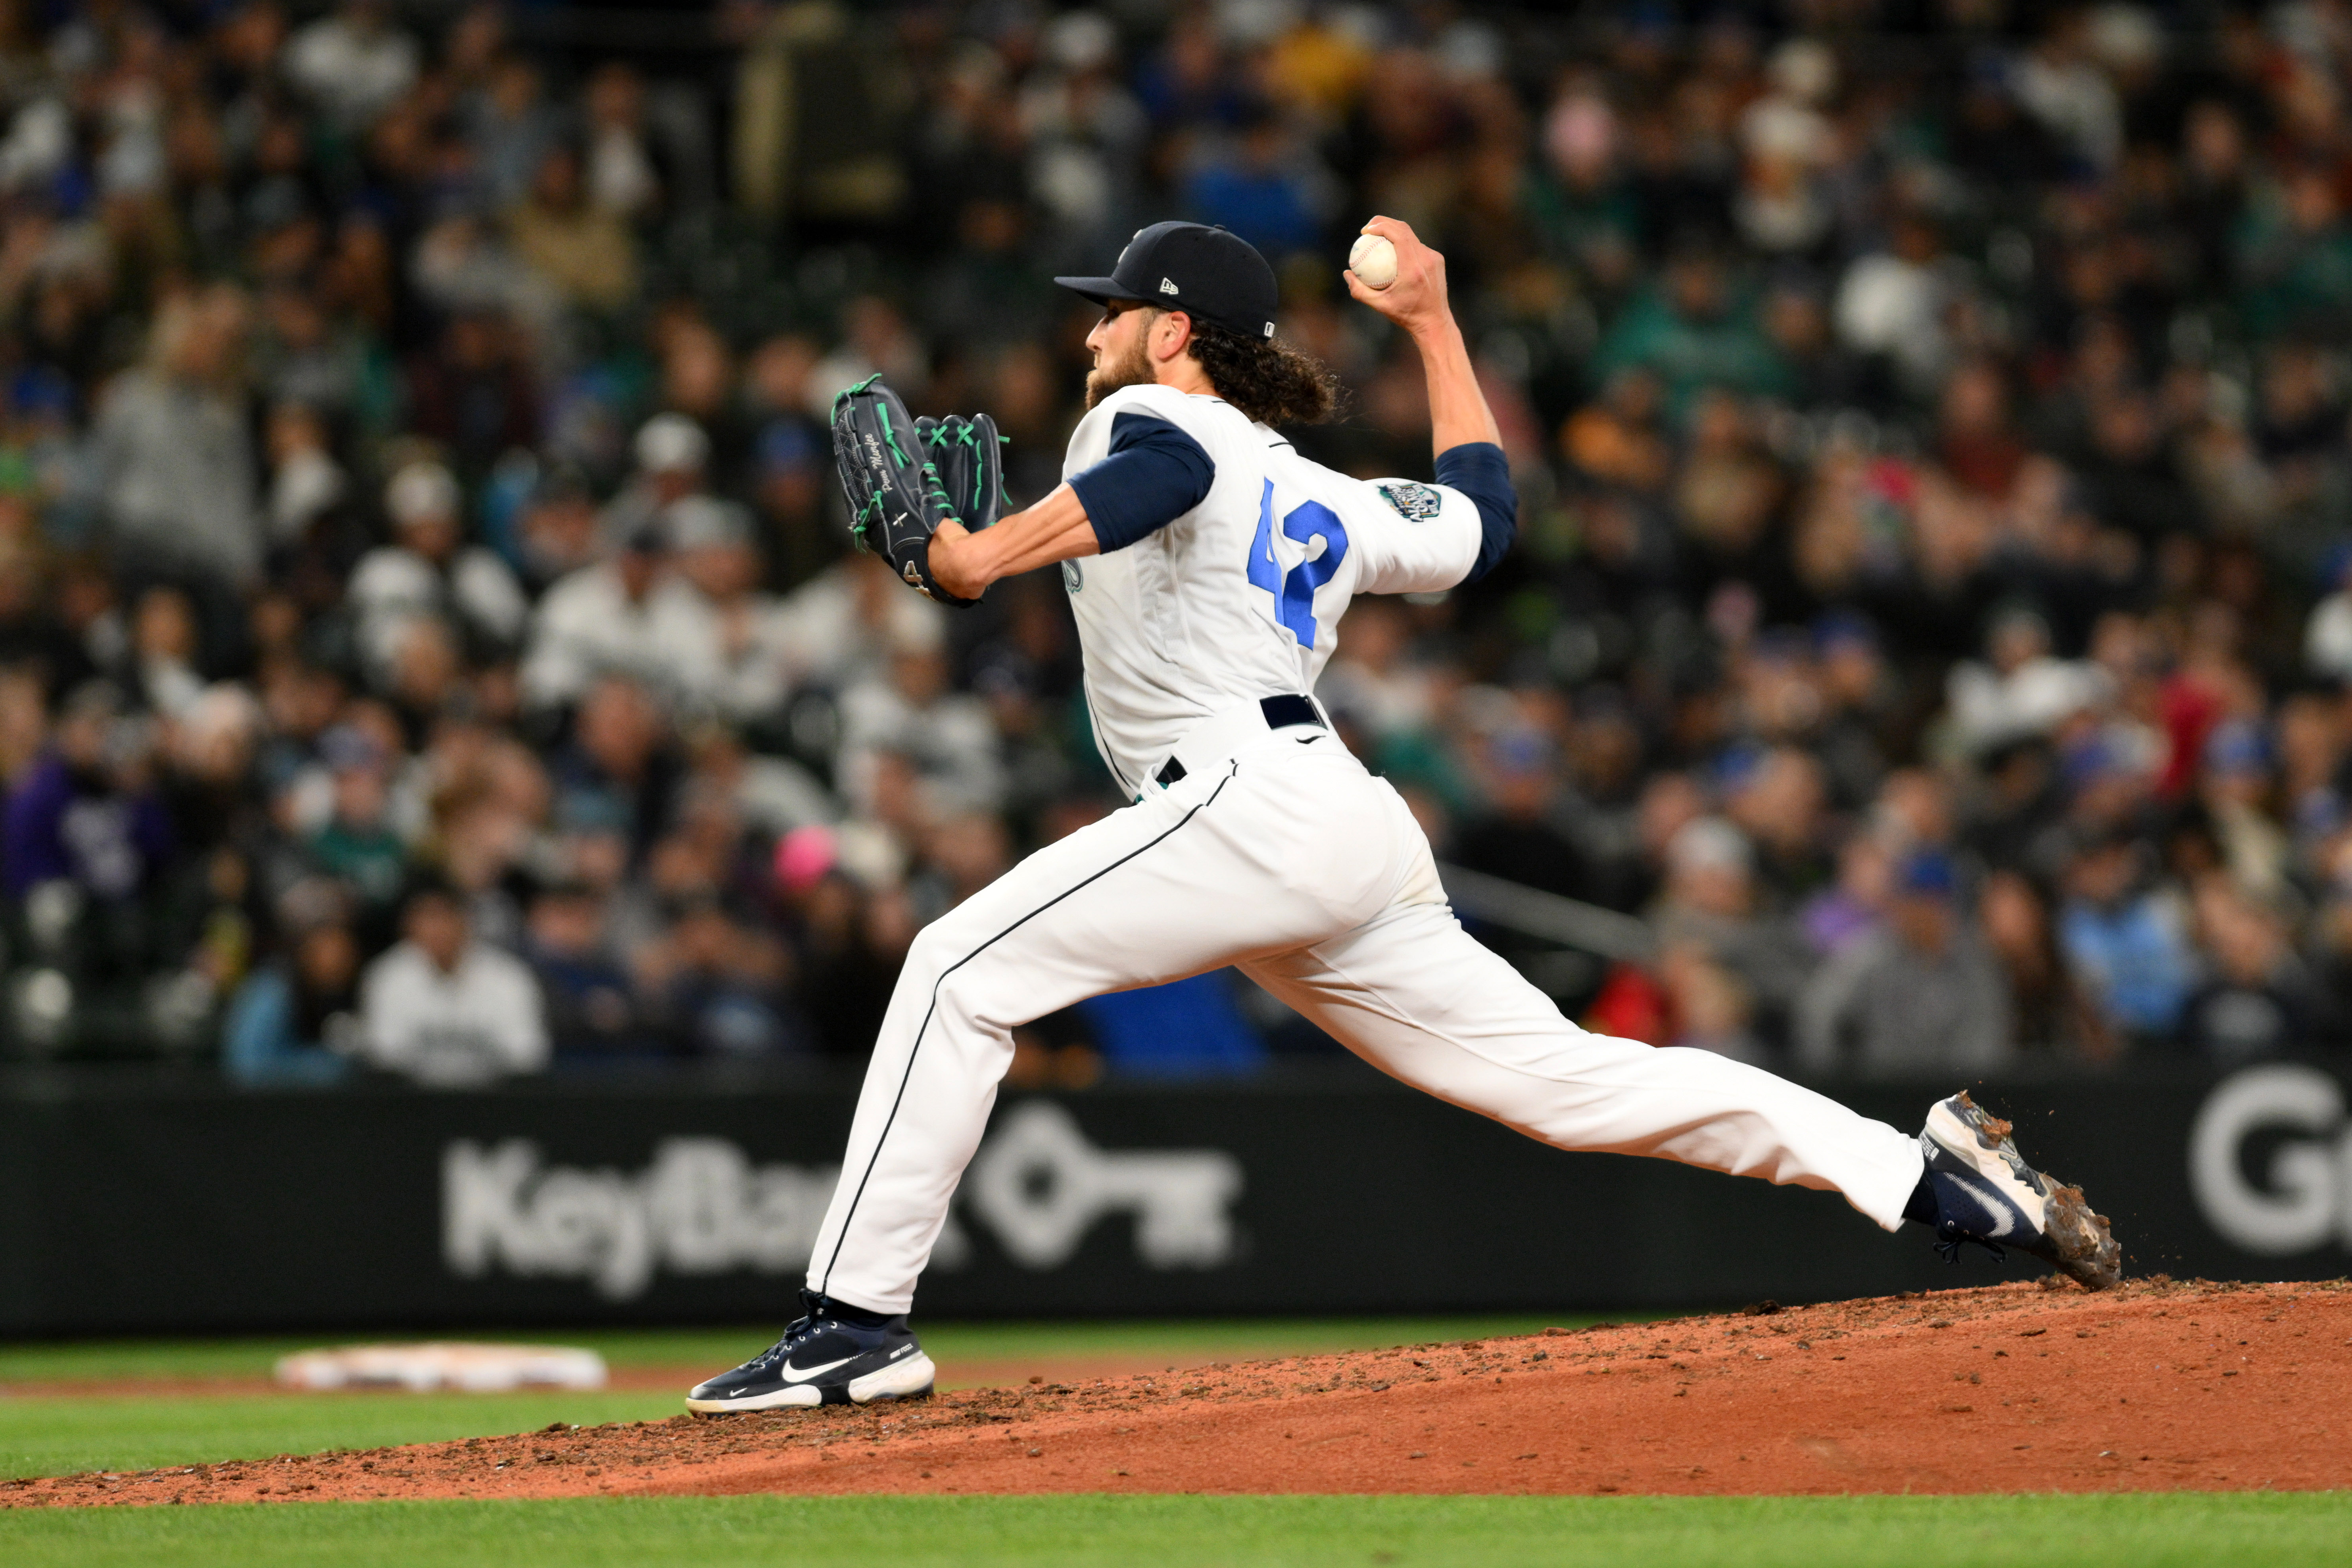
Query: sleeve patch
{"type": "Point", "coordinates": [1414, 503]}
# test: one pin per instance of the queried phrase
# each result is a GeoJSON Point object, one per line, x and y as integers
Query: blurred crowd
{"type": "Point", "coordinates": [430, 643]}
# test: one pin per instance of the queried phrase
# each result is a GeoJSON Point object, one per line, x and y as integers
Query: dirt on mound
{"type": "Point", "coordinates": [2157, 1385]}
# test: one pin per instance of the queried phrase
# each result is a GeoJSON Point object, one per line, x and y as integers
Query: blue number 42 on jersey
{"type": "Point", "coordinates": [1294, 593]}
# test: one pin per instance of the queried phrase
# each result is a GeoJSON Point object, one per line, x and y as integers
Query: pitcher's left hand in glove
{"type": "Point", "coordinates": [898, 498]}
{"type": "Point", "coordinates": [970, 458]}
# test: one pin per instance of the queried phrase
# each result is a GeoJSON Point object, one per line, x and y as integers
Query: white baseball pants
{"type": "Point", "coordinates": [1289, 859]}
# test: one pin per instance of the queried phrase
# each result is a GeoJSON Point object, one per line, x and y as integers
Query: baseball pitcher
{"type": "Point", "coordinates": [1209, 565]}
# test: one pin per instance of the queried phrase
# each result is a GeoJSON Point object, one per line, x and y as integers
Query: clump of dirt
{"type": "Point", "coordinates": [2157, 1385]}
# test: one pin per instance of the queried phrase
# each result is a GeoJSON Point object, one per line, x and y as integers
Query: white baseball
{"type": "Point", "coordinates": [1374, 259]}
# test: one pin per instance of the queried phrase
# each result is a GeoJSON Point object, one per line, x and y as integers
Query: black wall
{"type": "Point", "coordinates": [139, 1210]}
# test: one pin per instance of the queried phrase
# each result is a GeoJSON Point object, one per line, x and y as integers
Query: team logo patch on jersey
{"type": "Point", "coordinates": [1418, 502]}
{"type": "Point", "coordinates": [1072, 578]}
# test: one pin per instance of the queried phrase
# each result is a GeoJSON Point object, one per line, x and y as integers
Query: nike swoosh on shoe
{"type": "Point", "coordinates": [801, 1374]}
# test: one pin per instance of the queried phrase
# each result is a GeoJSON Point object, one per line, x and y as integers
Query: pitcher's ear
{"type": "Point", "coordinates": [1174, 328]}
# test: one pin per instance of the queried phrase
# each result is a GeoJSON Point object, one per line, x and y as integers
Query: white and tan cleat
{"type": "Point", "coordinates": [1976, 1167]}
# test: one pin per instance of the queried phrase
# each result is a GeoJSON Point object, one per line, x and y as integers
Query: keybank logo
{"type": "Point", "coordinates": [702, 1207]}
{"type": "Point", "coordinates": [2270, 1161]}
{"type": "Point", "coordinates": [1040, 1186]}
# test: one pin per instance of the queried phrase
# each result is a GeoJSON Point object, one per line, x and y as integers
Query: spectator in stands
{"type": "Point", "coordinates": [584, 250]}
{"type": "Point", "coordinates": [1775, 797]}
{"type": "Point", "coordinates": [592, 1016]}
{"type": "Point", "coordinates": [2048, 1009]}
{"type": "Point", "coordinates": [1260, 188]}
{"type": "Point", "coordinates": [1520, 835]}
{"type": "Point", "coordinates": [295, 1024]}
{"type": "Point", "coordinates": [2328, 635]}
{"type": "Point", "coordinates": [843, 627]}
{"type": "Point", "coordinates": [511, 126]}
{"type": "Point", "coordinates": [446, 1010]}
{"type": "Point", "coordinates": [621, 173]}
{"type": "Point", "coordinates": [1710, 1009]}
{"type": "Point", "coordinates": [170, 460]}
{"type": "Point", "coordinates": [2020, 690]}
{"type": "Point", "coordinates": [475, 392]}
{"type": "Point", "coordinates": [673, 455]}
{"type": "Point", "coordinates": [432, 573]}
{"type": "Point", "coordinates": [629, 616]}
{"type": "Point", "coordinates": [2259, 1000]}
{"type": "Point", "coordinates": [358, 845]}
{"type": "Point", "coordinates": [165, 646]}
{"type": "Point", "coordinates": [86, 816]}
{"type": "Point", "coordinates": [1693, 332]}
{"type": "Point", "coordinates": [1947, 451]}
{"type": "Point", "coordinates": [557, 531]}
{"type": "Point", "coordinates": [1710, 905]}
{"type": "Point", "coordinates": [305, 481]}
{"type": "Point", "coordinates": [2126, 940]}
{"type": "Point", "coordinates": [354, 62]}
{"type": "Point", "coordinates": [742, 669]}
{"type": "Point", "coordinates": [713, 984]}
{"type": "Point", "coordinates": [1918, 994]}
{"type": "Point", "coordinates": [912, 714]}
{"type": "Point", "coordinates": [620, 758]}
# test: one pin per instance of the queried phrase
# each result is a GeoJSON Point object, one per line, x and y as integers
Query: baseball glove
{"type": "Point", "coordinates": [895, 499]}
{"type": "Point", "coordinates": [969, 455]}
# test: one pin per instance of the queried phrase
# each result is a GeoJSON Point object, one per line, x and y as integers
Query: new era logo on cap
{"type": "Point", "coordinates": [1168, 286]}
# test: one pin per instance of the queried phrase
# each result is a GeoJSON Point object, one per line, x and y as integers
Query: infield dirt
{"type": "Point", "coordinates": [2157, 1385]}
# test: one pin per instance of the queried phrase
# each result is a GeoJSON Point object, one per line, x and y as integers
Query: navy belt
{"type": "Point", "coordinates": [1281, 713]}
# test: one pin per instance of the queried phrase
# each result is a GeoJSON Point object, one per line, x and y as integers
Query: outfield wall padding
{"type": "Point", "coordinates": [135, 1209]}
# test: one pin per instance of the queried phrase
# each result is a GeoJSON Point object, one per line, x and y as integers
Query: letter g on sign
{"type": "Point", "coordinates": [2305, 1201]}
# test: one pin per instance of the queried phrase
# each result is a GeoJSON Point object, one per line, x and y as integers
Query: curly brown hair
{"type": "Point", "coordinates": [1269, 382]}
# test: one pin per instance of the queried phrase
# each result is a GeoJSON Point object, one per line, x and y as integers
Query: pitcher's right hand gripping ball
{"type": "Point", "coordinates": [896, 491]}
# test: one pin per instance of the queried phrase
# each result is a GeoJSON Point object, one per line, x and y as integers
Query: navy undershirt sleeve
{"type": "Point", "coordinates": [1478, 469]}
{"type": "Point", "coordinates": [1155, 473]}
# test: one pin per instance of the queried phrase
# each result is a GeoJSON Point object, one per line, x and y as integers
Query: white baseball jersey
{"type": "Point", "coordinates": [1241, 596]}
{"type": "Point", "coordinates": [1279, 852]}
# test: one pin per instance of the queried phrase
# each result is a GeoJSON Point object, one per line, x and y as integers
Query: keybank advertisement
{"type": "Point", "coordinates": [559, 1204]}
{"type": "Point", "coordinates": [700, 1208]}
{"type": "Point", "coordinates": [2271, 1160]}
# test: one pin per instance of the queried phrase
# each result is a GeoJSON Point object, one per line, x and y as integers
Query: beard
{"type": "Point", "coordinates": [1132, 369]}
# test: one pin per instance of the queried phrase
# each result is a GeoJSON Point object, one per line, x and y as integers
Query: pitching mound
{"type": "Point", "coordinates": [2157, 1385]}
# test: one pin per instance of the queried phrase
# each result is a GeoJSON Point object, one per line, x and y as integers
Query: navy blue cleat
{"type": "Point", "coordinates": [1985, 1193]}
{"type": "Point", "coordinates": [823, 1359]}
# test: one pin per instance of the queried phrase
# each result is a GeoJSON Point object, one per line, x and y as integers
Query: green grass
{"type": "Point", "coordinates": [57, 1434]}
{"type": "Point", "coordinates": [2145, 1530]}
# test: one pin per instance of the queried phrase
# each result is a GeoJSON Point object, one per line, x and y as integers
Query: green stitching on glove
{"type": "Point", "coordinates": [936, 492]}
{"type": "Point", "coordinates": [849, 392]}
{"type": "Point", "coordinates": [882, 412]}
{"type": "Point", "coordinates": [866, 515]}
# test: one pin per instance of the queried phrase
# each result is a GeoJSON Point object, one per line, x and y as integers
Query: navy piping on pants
{"type": "Point", "coordinates": [905, 1078]}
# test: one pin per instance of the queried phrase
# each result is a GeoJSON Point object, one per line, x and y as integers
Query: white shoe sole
{"type": "Point", "coordinates": [908, 1379]}
{"type": "Point", "coordinates": [781, 1399]}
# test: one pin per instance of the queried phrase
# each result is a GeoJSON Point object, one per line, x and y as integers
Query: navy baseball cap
{"type": "Point", "coordinates": [1210, 274]}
